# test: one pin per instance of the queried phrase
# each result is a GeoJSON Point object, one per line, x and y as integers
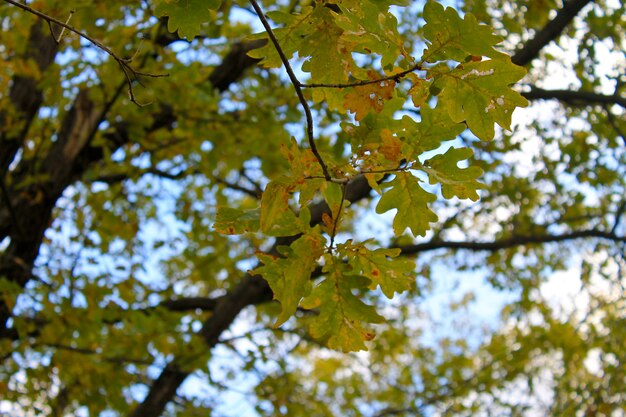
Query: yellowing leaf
{"type": "Point", "coordinates": [372, 30]}
{"type": "Point", "coordinates": [341, 318]}
{"type": "Point", "coordinates": [412, 203]}
{"type": "Point", "coordinates": [330, 57]}
{"type": "Point", "coordinates": [371, 97]}
{"type": "Point", "coordinates": [455, 181]}
{"type": "Point", "coordinates": [289, 275]}
{"type": "Point", "coordinates": [381, 266]}
{"type": "Point", "coordinates": [333, 194]}
{"type": "Point", "coordinates": [391, 147]}
{"type": "Point", "coordinates": [303, 162]}
{"type": "Point", "coordinates": [419, 91]}
{"type": "Point", "coordinates": [186, 16]}
{"type": "Point", "coordinates": [231, 221]}
{"type": "Point", "coordinates": [277, 218]}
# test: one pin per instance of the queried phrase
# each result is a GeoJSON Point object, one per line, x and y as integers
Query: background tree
{"type": "Point", "coordinates": [141, 215]}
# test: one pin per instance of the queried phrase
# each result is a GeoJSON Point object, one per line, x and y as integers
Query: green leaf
{"type": "Point", "coordinates": [368, 29]}
{"type": "Point", "coordinates": [341, 314]}
{"type": "Point", "coordinates": [333, 194]}
{"type": "Point", "coordinates": [412, 203]}
{"type": "Point", "coordinates": [455, 181]}
{"type": "Point", "coordinates": [381, 266]}
{"type": "Point", "coordinates": [330, 58]}
{"type": "Point", "coordinates": [290, 37]}
{"type": "Point", "coordinates": [231, 221]}
{"type": "Point", "coordinates": [289, 275]}
{"type": "Point", "coordinates": [479, 94]}
{"type": "Point", "coordinates": [435, 127]}
{"type": "Point", "coordinates": [451, 37]}
{"type": "Point", "coordinates": [186, 16]}
{"type": "Point", "coordinates": [277, 217]}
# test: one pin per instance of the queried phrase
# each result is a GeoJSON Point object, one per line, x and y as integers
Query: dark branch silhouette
{"type": "Point", "coordinates": [552, 30]}
{"type": "Point", "coordinates": [574, 98]}
{"type": "Point", "coordinates": [508, 243]}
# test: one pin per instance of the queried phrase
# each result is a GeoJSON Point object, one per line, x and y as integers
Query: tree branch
{"type": "Point", "coordinates": [179, 305]}
{"type": "Point", "coordinates": [250, 291]}
{"type": "Point", "coordinates": [575, 98]}
{"type": "Point", "coordinates": [508, 242]}
{"type": "Point", "coordinates": [25, 94]}
{"type": "Point", "coordinates": [550, 32]}
{"type": "Point", "coordinates": [81, 124]}
{"type": "Point", "coordinates": [129, 72]}
{"type": "Point", "coordinates": [394, 77]}
{"type": "Point", "coordinates": [296, 85]}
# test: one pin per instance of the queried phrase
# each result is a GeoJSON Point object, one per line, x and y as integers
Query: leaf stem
{"type": "Point", "coordinates": [394, 77]}
{"type": "Point", "coordinates": [296, 85]}
{"type": "Point", "coordinates": [337, 218]}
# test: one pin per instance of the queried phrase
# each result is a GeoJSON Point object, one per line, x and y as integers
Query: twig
{"type": "Point", "coordinates": [296, 85]}
{"type": "Point", "coordinates": [57, 39]}
{"type": "Point", "coordinates": [256, 186]}
{"type": "Point", "coordinates": [87, 351]}
{"type": "Point", "coordinates": [337, 218]}
{"type": "Point", "coordinates": [394, 77]}
{"type": "Point", "coordinates": [549, 32]}
{"type": "Point", "coordinates": [253, 193]}
{"type": "Point", "coordinates": [573, 97]}
{"type": "Point", "coordinates": [129, 73]}
{"type": "Point", "coordinates": [346, 180]}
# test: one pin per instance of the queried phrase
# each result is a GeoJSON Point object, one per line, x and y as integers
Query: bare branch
{"type": "Point", "coordinates": [130, 73]}
{"type": "Point", "coordinates": [337, 219]}
{"type": "Point", "coordinates": [508, 242]}
{"type": "Point", "coordinates": [296, 86]}
{"type": "Point", "coordinates": [87, 351]}
{"type": "Point", "coordinates": [550, 32]}
{"type": "Point", "coordinates": [575, 98]}
{"type": "Point", "coordinates": [252, 193]}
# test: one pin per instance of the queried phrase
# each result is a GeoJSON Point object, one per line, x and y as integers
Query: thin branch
{"type": "Point", "coordinates": [252, 193]}
{"type": "Point", "coordinates": [190, 303]}
{"type": "Point", "coordinates": [255, 184]}
{"type": "Point", "coordinates": [115, 178]}
{"type": "Point", "coordinates": [574, 97]}
{"type": "Point", "coordinates": [86, 351]}
{"type": "Point", "coordinates": [508, 242]}
{"type": "Point", "coordinates": [337, 218]}
{"type": "Point", "coordinates": [394, 77]}
{"type": "Point", "coordinates": [57, 39]}
{"type": "Point", "coordinates": [550, 32]}
{"type": "Point", "coordinates": [130, 73]}
{"type": "Point", "coordinates": [179, 305]}
{"type": "Point", "coordinates": [296, 85]}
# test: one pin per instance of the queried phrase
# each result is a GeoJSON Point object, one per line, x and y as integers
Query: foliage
{"type": "Point", "coordinates": [169, 163]}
